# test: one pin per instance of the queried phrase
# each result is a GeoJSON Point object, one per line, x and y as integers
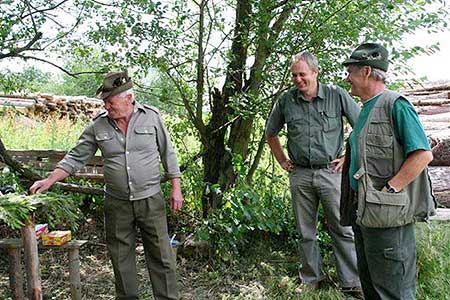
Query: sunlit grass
{"type": "Point", "coordinates": [19, 132]}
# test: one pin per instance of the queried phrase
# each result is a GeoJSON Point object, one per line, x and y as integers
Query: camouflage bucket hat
{"type": "Point", "coordinates": [369, 54]}
{"type": "Point", "coordinates": [113, 84]}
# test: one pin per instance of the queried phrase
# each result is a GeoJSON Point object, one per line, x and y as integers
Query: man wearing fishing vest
{"type": "Point", "coordinates": [385, 183]}
{"type": "Point", "coordinates": [313, 113]}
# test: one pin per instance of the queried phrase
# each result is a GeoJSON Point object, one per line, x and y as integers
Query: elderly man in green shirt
{"type": "Point", "coordinates": [132, 139]}
{"type": "Point", "coordinates": [313, 113]}
{"type": "Point", "coordinates": [385, 183]}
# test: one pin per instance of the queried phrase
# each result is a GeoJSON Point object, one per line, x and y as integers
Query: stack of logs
{"type": "Point", "coordinates": [45, 105]}
{"type": "Point", "coordinates": [433, 105]}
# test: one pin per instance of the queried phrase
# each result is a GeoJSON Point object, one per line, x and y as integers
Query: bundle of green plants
{"type": "Point", "coordinates": [52, 208]}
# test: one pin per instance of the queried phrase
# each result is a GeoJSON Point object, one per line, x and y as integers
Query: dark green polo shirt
{"type": "Point", "coordinates": [407, 129]}
{"type": "Point", "coordinates": [314, 128]}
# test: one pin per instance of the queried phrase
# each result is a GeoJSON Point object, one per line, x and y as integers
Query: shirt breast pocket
{"type": "Point", "coordinates": [145, 137]}
{"type": "Point", "coordinates": [103, 137]}
{"type": "Point", "coordinates": [106, 143]}
{"type": "Point", "coordinates": [331, 121]}
{"type": "Point", "coordinates": [296, 125]}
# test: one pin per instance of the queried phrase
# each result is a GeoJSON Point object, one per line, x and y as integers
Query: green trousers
{"type": "Point", "coordinates": [386, 261]}
{"type": "Point", "coordinates": [122, 219]}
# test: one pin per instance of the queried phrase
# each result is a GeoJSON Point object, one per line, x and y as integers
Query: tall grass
{"type": "Point", "coordinates": [19, 132]}
{"type": "Point", "coordinates": [433, 261]}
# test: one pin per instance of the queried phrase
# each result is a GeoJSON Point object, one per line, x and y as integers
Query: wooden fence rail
{"type": "Point", "coordinates": [46, 160]}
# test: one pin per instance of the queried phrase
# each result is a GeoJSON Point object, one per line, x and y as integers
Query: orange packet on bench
{"type": "Point", "coordinates": [56, 238]}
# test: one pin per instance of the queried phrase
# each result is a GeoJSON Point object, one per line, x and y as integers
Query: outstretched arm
{"type": "Point", "coordinates": [41, 186]}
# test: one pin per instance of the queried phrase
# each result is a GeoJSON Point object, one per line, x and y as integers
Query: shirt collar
{"type": "Point", "coordinates": [138, 106]}
{"type": "Point", "coordinates": [320, 93]}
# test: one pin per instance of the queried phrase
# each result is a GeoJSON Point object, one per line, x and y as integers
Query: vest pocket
{"type": "Point", "coordinates": [383, 210]}
{"type": "Point", "coordinates": [379, 152]}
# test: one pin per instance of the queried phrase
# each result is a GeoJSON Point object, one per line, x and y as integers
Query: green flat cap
{"type": "Point", "coordinates": [369, 54]}
{"type": "Point", "coordinates": [113, 84]}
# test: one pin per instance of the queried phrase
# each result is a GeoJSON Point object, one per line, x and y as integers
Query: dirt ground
{"type": "Point", "coordinates": [197, 280]}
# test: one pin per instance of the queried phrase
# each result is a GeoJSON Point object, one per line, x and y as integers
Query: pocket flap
{"type": "Point", "coordinates": [379, 140]}
{"type": "Point", "coordinates": [359, 173]}
{"type": "Point", "coordinates": [145, 130]}
{"type": "Point", "coordinates": [377, 197]}
{"type": "Point", "coordinates": [103, 136]}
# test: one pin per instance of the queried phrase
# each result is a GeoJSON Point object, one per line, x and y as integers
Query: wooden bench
{"type": "Point", "coordinates": [46, 160]}
{"type": "Point", "coordinates": [14, 247]}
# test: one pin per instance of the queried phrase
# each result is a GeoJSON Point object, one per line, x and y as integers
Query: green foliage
{"type": "Point", "coordinates": [28, 81]}
{"type": "Point", "coordinates": [52, 208]}
{"type": "Point", "coordinates": [262, 210]}
{"type": "Point", "coordinates": [87, 82]}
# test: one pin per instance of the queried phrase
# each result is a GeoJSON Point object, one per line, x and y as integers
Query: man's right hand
{"type": "Point", "coordinates": [287, 165]}
{"type": "Point", "coordinates": [40, 186]}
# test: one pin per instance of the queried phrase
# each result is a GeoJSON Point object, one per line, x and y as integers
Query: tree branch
{"type": "Point", "coordinates": [36, 11]}
{"type": "Point", "coordinates": [19, 50]}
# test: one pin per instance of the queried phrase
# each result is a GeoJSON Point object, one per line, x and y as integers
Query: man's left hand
{"type": "Point", "coordinates": [338, 163]}
{"type": "Point", "coordinates": [176, 200]}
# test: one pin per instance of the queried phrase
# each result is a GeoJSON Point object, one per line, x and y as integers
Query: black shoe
{"type": "Point", "coordinates": [355, 292]}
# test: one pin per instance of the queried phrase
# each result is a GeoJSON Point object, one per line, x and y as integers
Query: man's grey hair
{"type": "Point", "coordinates": [378, 75]}
{"type": "Point", "coordinates": [307, 57]}
{"type": "Point", "coordinates": [126, 93]}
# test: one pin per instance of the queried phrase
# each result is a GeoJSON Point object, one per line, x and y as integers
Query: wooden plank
{"type": "Point", "coordinates": [47, 155]}
{"type": "Point", "coordinates": [442, 214]}
{"type": "Point", "coordinates": [73, 244]}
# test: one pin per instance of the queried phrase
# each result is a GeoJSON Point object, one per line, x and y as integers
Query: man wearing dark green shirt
{"type": "Point", "coordinates": [313, 113]}
{"type": "Point", "coordinates": [385, 186]}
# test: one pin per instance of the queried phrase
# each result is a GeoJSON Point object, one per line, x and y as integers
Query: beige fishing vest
{"type": "Point", "coordinates": [380, 156]}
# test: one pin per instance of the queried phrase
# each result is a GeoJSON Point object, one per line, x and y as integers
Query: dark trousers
{"type": "Point", "coordinates": [122, 218]}
{"type": "Point", "coordinates": [386, 262]}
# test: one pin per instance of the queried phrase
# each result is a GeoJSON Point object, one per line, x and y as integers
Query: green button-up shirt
{"type": "Point", "coordinates": [314, 128]}
{"type": "Point", "coordinates": [131, 163]}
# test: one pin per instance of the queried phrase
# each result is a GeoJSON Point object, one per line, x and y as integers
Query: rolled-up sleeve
{"type": "Point", "coordinates": [85, 149]}
{"type": "Point", "coordinates": [350, 108]}
{"type": "Point", "coordinates": [276, 120]}
{"type": "Point", "coordinates": [166, 151]}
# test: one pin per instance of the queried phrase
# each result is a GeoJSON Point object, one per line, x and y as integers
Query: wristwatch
{"type": "Point", "coordinates": [391, 189]}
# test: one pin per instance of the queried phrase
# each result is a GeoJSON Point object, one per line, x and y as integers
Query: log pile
{"type": "Point", "coordinates": [45, 105]}
{"type": "Point", "coordinates": [433, 105]}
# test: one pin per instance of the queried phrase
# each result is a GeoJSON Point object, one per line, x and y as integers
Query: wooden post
{"type": "Point", "coordinates": [31, 261]}
{"type": "Point", "coordinates": [74, 273]}
{"type": "Point", "coordinates": [14, 247]}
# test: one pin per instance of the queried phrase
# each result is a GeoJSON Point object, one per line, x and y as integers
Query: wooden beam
{"type": "Point", "coordinates": [442, 214]}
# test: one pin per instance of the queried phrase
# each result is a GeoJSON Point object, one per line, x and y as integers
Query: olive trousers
{"type": "Point", "coordinates": [386, 261]}
{"type": "Point", "coordinates": [309, 187]}
{"type": "Point", "coordinates": [122, 220]}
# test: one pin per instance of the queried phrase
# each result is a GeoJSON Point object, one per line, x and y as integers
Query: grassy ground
{"type": "Point", "coordinates": [266, 271]}
{"type": "Point", "coordinates": [19, 132]}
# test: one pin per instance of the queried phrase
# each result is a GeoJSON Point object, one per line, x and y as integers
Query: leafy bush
{"type": "Point", "coordinates": [248, 211]}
